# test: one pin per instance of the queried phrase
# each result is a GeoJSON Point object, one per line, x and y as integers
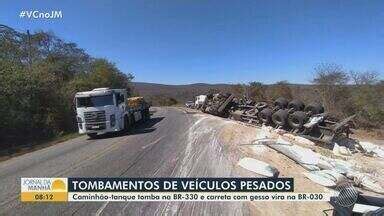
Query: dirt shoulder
{"type": "Point", "coordinates": [24, 149]}
{"type": "Point", "coordinates": [235, 137]}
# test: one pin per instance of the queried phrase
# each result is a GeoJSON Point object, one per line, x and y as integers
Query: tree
{"type": "Point", "coordinates": [367, 98]}
{"type": "Point", "coordinates": [238, 90]}
{"type": "Point", "coordinates": [365, 78]}
{"type": "Point", "coordinates": [212, 91]}
{"type": "Point", "coordinates": [331, 84]}
{"type": "Point", "coordinates": [162, 100]}
{"type": "Point", "coordinates": [281, 89]}
{"type": "Point", "coordinates": [257, 91]}
{"type": "Point", "coordinates": [39, 75]}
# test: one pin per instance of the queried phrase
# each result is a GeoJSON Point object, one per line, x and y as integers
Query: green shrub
{"type": "Point", "coordinates": [38, 81]}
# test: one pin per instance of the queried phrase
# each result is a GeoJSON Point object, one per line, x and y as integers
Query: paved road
{"type": "Point", "coordinates": [172, 144]}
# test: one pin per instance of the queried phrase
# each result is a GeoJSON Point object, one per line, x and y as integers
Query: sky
{"type": "Point", "coordinates": [216, 41]}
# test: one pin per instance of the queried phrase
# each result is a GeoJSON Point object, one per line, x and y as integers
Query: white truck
{"type": "Point", "coordinates": [200, 101]}
{"type": "Point", "coordinates": [104, 110]}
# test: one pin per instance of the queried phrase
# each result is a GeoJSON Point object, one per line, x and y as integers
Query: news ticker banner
{"type": "Point", "coordinates": [162, 189]}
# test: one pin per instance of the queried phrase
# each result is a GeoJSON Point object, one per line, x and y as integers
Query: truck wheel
{"type": "Point", "coordinates": [142, 113]}
{"type": "Point", "coordinates": [92, 135]}
{"type": "Point", "coordinates": [131, 120]}
{"type": "Point", "coordinates": [315, 108]}
{"type": "Point", "coordinates": [297, 119]}
{"type": "Point", "coordinates": [265, 115]}
{"type": "Point", "coordinates": [148, 114]}
{"type": "Point", "coordinates": [296, 105]}
{"type": "Point", "coordinates": [281, 102]}
{"type": "Point", "coordinates": [280, 117]}
{"type": "Point", "coordinates": [126, 124]}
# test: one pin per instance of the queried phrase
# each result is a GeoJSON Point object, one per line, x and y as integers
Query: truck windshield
{"type": "Point", "coordinates": [94, 101]}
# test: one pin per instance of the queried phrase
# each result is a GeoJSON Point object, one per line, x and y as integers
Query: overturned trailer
{"type": "Point", "coordinates": [309, 121]}
{"type": "Point", "coordinates": [218, 104]}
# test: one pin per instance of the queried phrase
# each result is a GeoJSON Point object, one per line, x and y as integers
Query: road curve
{"type": "Point", "coordinates": [171, 144]}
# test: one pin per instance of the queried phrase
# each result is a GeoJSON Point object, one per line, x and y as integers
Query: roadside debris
{"type": "Point", "coordinates": [322, 170]}
{"type": "Point", "coordinates": [308, 121]}
{"type": "Point", "coordinates": [341, 166]}
{"type": "Point", "coordinates": [367, 182]}
{"type": "Point", "coordinates": [254, 150]}
{"type": "Point", "coordinates": [303, 156]}
{"type": "Point", "coordinates": [258, 167]}
{"type": "Point", "coordinates": [328, 171]}
{"type": "Point", "coordinates": [292, 128]}
{"type": "Point", "coordinates": [371, 148]}
{"type": "Point", "coordinates": [299, 139]}
{"type": "Point", "coordinates": [341, 151]}
{"type": "Point", "coordinates": [327, 178]}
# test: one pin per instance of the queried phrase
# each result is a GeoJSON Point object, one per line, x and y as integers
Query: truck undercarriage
{"type": "Point", "coordinates": [309, 121]}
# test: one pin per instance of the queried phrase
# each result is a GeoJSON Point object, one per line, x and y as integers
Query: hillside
{"type": "Point", "coordinates": [181, 93]}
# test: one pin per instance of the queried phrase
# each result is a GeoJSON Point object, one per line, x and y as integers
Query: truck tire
{"type": "Point", "coordinates": [280, 117]}
{"type": "Point", "coordinates": [266, 115]}
{"type": "Point", "coordinates": [296, 105]}
{"type": "Point", "coordinates": [143, 116]}
{"type": "Point", "coordinates": [127, 124]}
{"type": "Point", "coordinates": [148, 114]}
{"type": "Point", "coordinates": [314, 108]}
{"type": "Point", "coordinates": [92, 135]}
{"type": "Point", "coordinates": [281, 102]}
{"type": "Point", "coordinates": [297, 119]}
{"type": "Point", "coordinates": [131, 120]}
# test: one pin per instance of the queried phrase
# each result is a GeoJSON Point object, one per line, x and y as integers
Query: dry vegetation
{"type": "Point", "coordinates": [342, 93]}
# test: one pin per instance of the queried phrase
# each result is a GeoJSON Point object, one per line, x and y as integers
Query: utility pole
{"type": "Point", "coordinates": [29, 50]}
{"type": "Point", "coordinates": [21, 35]}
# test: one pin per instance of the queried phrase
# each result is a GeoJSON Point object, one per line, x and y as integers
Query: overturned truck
{"type": "Point", "coordinates": [218, 104]}
{"type": "Point", "coordinates": [309, 121]}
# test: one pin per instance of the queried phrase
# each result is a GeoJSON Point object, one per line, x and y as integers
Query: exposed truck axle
{"type": "Point", "coordinates": [309, 121]}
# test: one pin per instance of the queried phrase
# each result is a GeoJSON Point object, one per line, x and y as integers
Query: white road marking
{"type": "Point", "coordinates": [153, 143]}
{"type": "Point", "coordinates": [101, 209]}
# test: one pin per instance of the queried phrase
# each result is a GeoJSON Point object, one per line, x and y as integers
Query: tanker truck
{"type": "Point", "coordinates": [104, 110]}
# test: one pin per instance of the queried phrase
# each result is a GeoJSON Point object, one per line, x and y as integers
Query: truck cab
{"type": "Point", "coordinates": [200, 101]}
{"type": "Point", "coordinates": [105, 110]}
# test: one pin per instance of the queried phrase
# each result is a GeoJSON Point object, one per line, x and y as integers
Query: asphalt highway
{"type": "Point", "coordinates": [173, 143]}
